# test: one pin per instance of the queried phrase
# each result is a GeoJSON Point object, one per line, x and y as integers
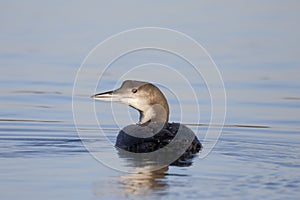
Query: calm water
{"type": "Point", "coordinates": [256, 49]}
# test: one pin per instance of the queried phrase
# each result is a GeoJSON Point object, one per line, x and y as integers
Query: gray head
{"type": "Point", "coordinates": [143, 96]}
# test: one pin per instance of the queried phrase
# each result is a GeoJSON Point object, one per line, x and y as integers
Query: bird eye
{"type": "Point", "coordinates": [134, 90]}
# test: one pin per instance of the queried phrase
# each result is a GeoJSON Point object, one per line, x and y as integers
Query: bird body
{"type": "Point", "coordinates": [138, 139]}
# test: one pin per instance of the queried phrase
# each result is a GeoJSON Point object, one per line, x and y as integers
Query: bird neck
{"type": "Point", "coordinates": [155, 113]}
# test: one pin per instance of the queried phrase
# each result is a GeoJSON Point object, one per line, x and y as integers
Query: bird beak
{"type": "Point", "coordinates": [105, 96]}
{"type": "Point", "coordinates": [108, 96]}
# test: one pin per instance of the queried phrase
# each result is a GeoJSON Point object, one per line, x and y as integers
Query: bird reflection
{"type": "Point", "coordinates": [144, 181]}
{"type": "Point", "coordinates": [148, 175]}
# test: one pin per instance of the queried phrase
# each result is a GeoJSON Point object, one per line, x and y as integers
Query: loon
{"type": "Point", "coordinates": [153, 131]}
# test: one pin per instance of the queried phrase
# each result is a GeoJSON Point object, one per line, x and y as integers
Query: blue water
{"type": "Point", "coordinates": [255, 46]}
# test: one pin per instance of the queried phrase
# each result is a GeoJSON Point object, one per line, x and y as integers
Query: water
{"type": "Point", "coordinates": [255, 48]}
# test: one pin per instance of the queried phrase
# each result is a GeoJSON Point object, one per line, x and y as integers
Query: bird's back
{"type": "Point", "coordinates": [145, 139]}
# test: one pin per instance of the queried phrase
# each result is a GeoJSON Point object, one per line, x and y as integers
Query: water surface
{"type": "Point", "coordinates": [255, 47]}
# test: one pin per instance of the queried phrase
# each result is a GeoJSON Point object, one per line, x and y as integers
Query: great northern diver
{"type": "Point", "coordinates": [153, 131]}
